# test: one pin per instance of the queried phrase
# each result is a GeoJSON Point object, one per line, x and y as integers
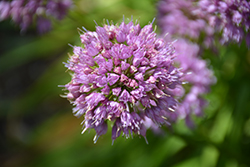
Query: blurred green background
{"type": "Point", "coordinates": [38, 128]}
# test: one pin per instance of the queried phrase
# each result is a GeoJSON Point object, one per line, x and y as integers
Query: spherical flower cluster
{"type": "Point", "coordinates": [200, 20]}
{"type": "Point", "coordinates": [199, 77]}
{"type": "Point", "coordinates": [123, 74]}
{"type": "Point", "coordinates": [191, 21]}
{"type": "Point", "coordinates": [232, 17]}
{"type": "Point", "coordinates": [191, 24]}
{"type": "Point", "coordinates": [24, 12]}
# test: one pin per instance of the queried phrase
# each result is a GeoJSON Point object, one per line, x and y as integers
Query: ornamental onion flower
{"type": "Point", "coordinates": [203, 19]}
{"type": "Point", "coordinates": [122, 74]}
{"type": "Point", "coordinates": [24, 12]}
{"type": "Point", "coordinates": [199, 78]}
{"type": "Point", "coordinates": [191, 25]}
{"type": "Point", "coordinates": [231, 17]}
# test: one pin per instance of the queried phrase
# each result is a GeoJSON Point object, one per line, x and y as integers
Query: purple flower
{"type": "Point", "coordinates": [198, 76]}
{"type": "Point", "coordinates": [24, 12]}
{"type": "Point", "coordinates": [205, 18]}
{"type": "Point", "coordinates": [58, 9]}
{"type": "Point", "coordinates": [126, 81]}
{"type": "Point", "coordinates": [191, 25]}
{"type": "Point", "coordinates": [229, 17]}
{"type": "Point", "coordinates": [4, 10]}
{"type": "Point", "coordinates": [191, 22]}
{"type": "Point", "coordinates": [44, 25]}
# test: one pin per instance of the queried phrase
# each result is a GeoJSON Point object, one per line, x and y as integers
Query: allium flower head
{"type": "Point", "coordinates": [191, 22]}
{"type": "Point", "coordinates": [25, 12]}
{"type": "Point", "coordinates": [198, 77]}
{"type": "Point", "coordinates": [191, 25]}
{"type": "Point", "coordinates": [122, 74]}
{"type": "Point", "coordinates": [206, 18]}
{"type": "Point", "coordinates": [232, 17]}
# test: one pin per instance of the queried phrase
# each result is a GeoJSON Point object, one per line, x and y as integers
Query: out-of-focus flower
{"type": "Point", "coordinates": [232, 17]}
{"type": "Point", "coordinates": [200, 20]}
{"type": "Point", "coordinates": [25, 12]}
{"type": "Point", "coordinates": [199, 77]}
{"type": "Point", "coordinates": [122, 74]}
{"type": "Point", "coordinates": [184, 21]}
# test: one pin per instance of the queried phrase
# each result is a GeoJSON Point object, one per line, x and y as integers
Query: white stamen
{"type": "Point", "coordinates": [70, 45]}
{"type": "Point", "coordinates": [153, 20]}
{"type": "Point", "coordinates": [84, 130]}
{"type": "Point", "coordinates": [171, 109]}
{"type": "Point", "coordinates": [96, 138]}
{"type": "Point", "coordinates": [84, 29]}
{"type": "Point", "coordinates": [146, 139]}
{"type": "Point", "coordinates": [96, 23]}
{"type": "Point", "coordinates": [108, 22]}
